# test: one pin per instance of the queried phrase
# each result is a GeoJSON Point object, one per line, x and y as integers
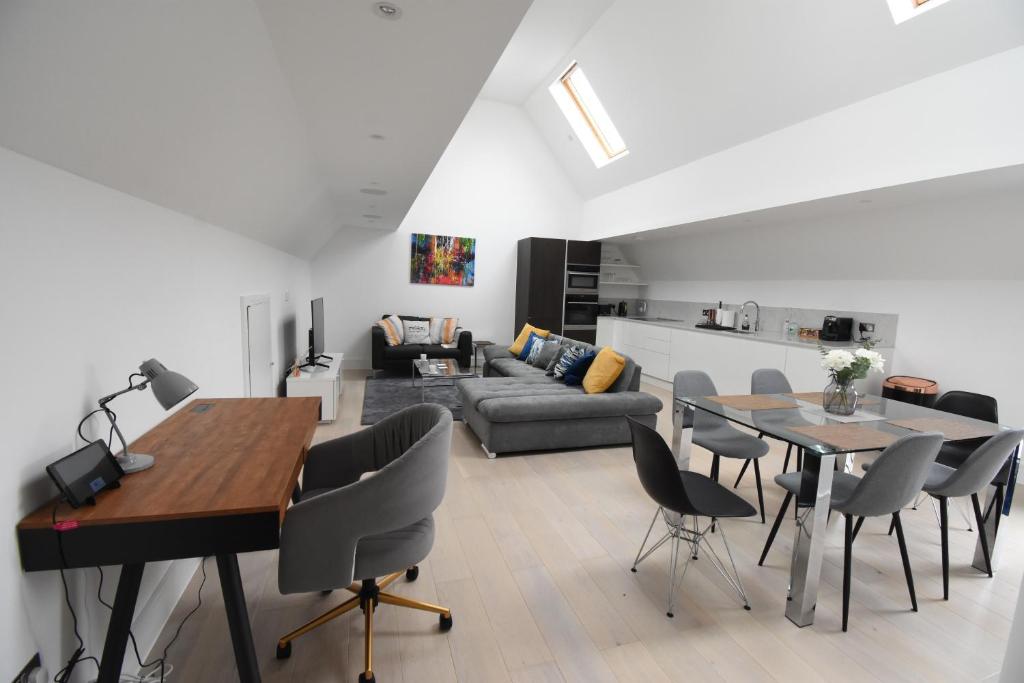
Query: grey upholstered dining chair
{"type": "Point", "coordinates": [714, 432]}
{"type": "Point", "coordinates": [773, 381]}
{"type": "Point", "coordinates": [895, 478]}
{"type": "Point", "coordinates": [365, 517]}
{"type": "Point", "coordinates": [971, 477]}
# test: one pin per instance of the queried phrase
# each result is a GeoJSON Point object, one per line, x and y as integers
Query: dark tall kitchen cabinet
{"type": "Point", "coordinates": [540, 284]}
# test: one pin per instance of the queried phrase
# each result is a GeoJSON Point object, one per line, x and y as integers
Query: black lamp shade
{"type": "Point", "coordinates": [170, 388]}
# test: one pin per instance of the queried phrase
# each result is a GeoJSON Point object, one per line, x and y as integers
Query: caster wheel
{"type": "Point", "coordinates": [669, 615]}
{"type": "Point", "coordinates": [633, 569]}
{"type": "Point", "coordinates": [746, 607]}
{"type": "Point", "coordinates": [364, 679]}
{"type": "Point", "coordinates": [446, 622]}
{"type": "Point", "coordinates": [284, 652]}
{"type": "Point", "coordinates": [412, 573]}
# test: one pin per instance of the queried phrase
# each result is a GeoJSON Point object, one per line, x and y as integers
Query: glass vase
{"type": "Point", "coordinates": [839, 399]}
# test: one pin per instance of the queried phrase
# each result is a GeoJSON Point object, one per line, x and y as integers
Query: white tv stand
{"type": "Point", "coordinates": [322, 382]}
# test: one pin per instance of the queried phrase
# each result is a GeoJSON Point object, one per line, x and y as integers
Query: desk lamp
{"type": "Point", "coordinates": [169, 388]}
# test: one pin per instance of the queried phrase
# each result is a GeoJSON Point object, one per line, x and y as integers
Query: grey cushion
{"type": "Point", "coordinates": [843, 484]}
{"type": "Point", "coordinates": [546, 352]}
{"type": "Point", "coordinates": [727, 441]}
{"type": "Point", "coordinates": [554, 361]}
{"type": "Point", "coordinates": [510, 367]}
{"type": "Point", "coordinates": [553, 403]}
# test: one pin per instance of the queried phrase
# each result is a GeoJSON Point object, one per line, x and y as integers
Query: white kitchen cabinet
{"type": "Point", "coordinates": [729, 361]}
{"type": "Point", "coordinates": [608, 333]}
{"type": "Point", "coordinates": [648, 345]}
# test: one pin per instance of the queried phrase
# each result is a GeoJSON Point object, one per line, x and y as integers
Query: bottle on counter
{"type": "Point", "coordinates": [745, 325]}
{"type": "Point", "coordinates": [785, 328]}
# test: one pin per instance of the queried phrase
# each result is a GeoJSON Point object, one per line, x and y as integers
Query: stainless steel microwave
{"type": "Point", "coordinates": [580, 282]}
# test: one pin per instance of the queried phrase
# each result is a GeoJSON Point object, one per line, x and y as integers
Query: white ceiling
{"type": "Point", "coordinates": [254, 115]}
{"type": "Point", "coordinates": [546, 35]}
{"type": "Point", "coordinates": [683, 79]}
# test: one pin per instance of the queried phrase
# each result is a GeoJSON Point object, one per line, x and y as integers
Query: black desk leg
{"type": "Point", "coordinates": [238, 618]}
{"type": "Point", "coordinates": [120, 623]}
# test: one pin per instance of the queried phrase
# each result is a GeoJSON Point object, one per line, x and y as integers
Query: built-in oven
{"type": "Point", "coordinates": [580, 281]}
{"type": "Point", "coordinates": [580, 312]}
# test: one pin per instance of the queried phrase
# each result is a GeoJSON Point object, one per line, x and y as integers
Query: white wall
{"type": "Point", "coordinates": [964, 120]}
{"type": "Point", "coordinates": [496, 182]}
{"type": "Point", "coordinates": [95, 282]}
{"type": "Point", "coordinates": [950, 269]}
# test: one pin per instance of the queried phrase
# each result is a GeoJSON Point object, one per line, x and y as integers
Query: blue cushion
{"type": "Point", "coordinates": [576, 372]}
{"type": "Point", "coordinates": [534, 337]}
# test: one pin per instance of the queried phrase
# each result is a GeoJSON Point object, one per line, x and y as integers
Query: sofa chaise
{"type": "Point", "coordinates": [518, 407]}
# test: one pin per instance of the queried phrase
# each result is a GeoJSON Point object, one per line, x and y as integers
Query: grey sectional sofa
{"type": "Point", "coordinates": [518, 407]}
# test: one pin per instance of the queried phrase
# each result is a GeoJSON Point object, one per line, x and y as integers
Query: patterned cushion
{"type": "Point", "coordinates": [443, 330]}
{"type": "Point", "coordinates": [533, 339]}
{"type": "Point", "coordinates": [394, 331]}
{"type": "Point", "coordinates": [569, 356]}
{"type": "Point", "coordinates": [416, 332]}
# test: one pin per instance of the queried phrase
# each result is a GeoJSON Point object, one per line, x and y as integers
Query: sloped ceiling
{"type": "Point", "coordinates": [283, 121]}
{"type": "Point", "coordinates": [547, 33]}
{"type": "Point", "coordinates": [683, 79]}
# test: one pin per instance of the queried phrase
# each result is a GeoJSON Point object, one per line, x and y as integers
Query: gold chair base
{"type": "Point", "coordinates": [367, 597]}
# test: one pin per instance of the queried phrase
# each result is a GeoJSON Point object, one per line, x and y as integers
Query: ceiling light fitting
{"type": "Point", "coordinates": [386, 10]}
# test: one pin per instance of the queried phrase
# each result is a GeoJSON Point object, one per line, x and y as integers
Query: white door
{"type": "Point", "coordinates": [260, 367]}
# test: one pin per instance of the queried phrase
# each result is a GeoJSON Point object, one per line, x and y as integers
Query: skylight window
{"type": "Point", "coordinates": [908, 9]}
{"type": "Point", "coordinates": [587, 116]}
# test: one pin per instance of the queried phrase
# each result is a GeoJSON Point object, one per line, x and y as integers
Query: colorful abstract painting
{"type": "Point", "coordinates": [442, 260]}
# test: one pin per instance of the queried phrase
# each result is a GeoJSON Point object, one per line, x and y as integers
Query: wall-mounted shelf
{"type": "Point", "coordinates": [622, 282]}
{"type": "Point", "coordinates": [620, 265]}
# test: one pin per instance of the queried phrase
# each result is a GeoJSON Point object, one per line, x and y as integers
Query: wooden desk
{"type": "Point", "coordinates": [224, 473]}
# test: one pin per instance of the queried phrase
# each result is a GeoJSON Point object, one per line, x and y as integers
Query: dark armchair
{"type": "Point", "coordinates": [398, 358]}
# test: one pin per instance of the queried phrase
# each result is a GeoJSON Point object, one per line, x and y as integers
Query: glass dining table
{"type": "Point", "coordinates": [823, 439]}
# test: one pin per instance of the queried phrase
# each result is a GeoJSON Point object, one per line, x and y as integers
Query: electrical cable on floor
{"type": "Point", "coordinates": [158, 665]}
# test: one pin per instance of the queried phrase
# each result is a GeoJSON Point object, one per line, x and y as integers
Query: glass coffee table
{"type": "Point", "coordinates": [437, 371]}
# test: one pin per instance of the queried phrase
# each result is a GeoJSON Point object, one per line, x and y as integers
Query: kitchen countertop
{"type": "Point", "coordinates": [766, 336]}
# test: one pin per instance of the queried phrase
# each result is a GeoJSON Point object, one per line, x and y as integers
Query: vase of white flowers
{"type": "Point", "coordinates": [844, 366]}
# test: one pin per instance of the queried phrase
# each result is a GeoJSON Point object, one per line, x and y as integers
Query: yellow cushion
{"type": "Point", "coordinates": [603, 372]}
{"type": "Point", "coordinates": [520, 342]}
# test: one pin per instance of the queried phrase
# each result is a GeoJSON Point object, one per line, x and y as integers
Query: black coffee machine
{"type": "Point", "coordinates": [836, 329]}
{"type": "Point", "coordinates": [623, 311]}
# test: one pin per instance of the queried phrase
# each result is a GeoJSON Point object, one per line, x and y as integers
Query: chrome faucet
{"type": "Point", "coordinates": [757, 314]}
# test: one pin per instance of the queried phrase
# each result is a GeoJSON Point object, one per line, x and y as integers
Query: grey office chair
{"type": "Point", "coordinates": [714, 432]}
{"type": "Point", "coordinates": [976, 473]}
{"type": "Point", "coordinates": [362, 534]}
{"type": "Point", "coordinates": [895, 478]}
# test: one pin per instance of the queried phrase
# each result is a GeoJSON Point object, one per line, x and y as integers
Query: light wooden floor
{"type": "Point", "coordinates": [533, 554]}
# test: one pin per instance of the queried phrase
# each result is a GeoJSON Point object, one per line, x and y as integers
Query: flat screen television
{"type": "Point", "coordinates": [316, 337]}
{"type": "Point", "coordinates": [318, 328]}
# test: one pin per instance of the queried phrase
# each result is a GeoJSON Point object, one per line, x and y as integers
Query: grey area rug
{"type": "Point", "coordinates": [386, 395]}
